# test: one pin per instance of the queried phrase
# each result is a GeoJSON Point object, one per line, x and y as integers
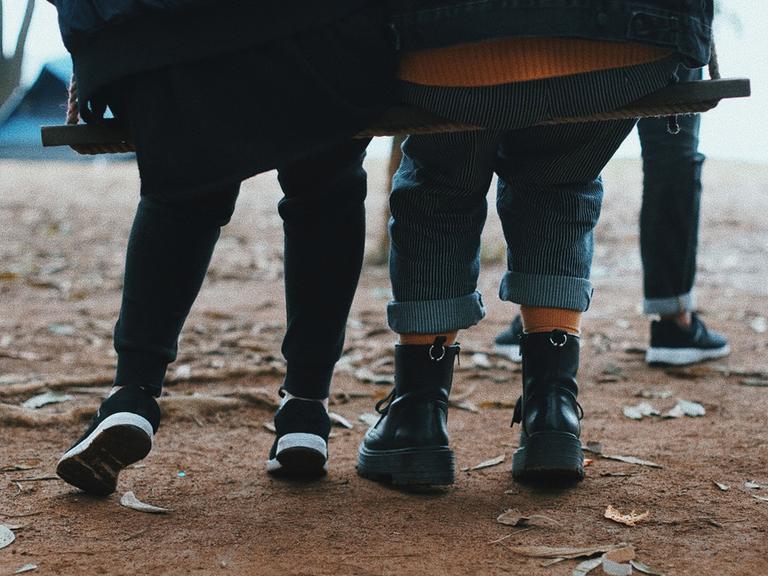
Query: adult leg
{"type": "Point", "coordinates": [323, 215]}
{"type": "Point", "coordinates": [669, 227]}
{"type": "Point", "coordinates": [169, 250]}
{"type": "Point", "coordinates": [549, 200]}
{"type": "Point", "coordinates": [438, 210]}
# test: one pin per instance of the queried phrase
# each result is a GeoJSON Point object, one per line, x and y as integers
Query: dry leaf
{"type": "Point", "coordinates": [552, 552]}
{"type": "Point", "coordinates": [759, 324]}
{"type": "Point", "coordinates": [632, 460]}
{"type": "Point", "coordinates": [639, 566]}
{"type": "Point", "coordinates": [46, 398]}
{"type": "Point", "coordinates": [686, 408]}
{"type": "Point", "coordinates": [464, 405]}
{"type": "Point", "coordinates": [486, 464]}
{"type": "Point", "coordinates": [761, 498]}
{"type": "Point", "coordinates": [723, 487]}
{"type": "Point", "coordinates": [756, 382]}
{"type": "Point", "coordinates": [366, 375]}
{"type": "Point", "coordinates": [26, 568]}
{"type": "Point", "coordinates": [480, 360]}
{"type": "Point", "coordinates": [340, 420]}
{"type": "Point", "coordinates": [368, 418]}
{"type": "Point", "coordinates": [617, 562]}
{"type": "Point", "coordinates": [657, 394]}
{"type": "Point", "coordinates": [639, 411]}
{"type": "Point", "coordinates": [129, 500]}
{"type": "Point", "coordinates": [515, 518]}
{"type": "Point", "coordinates": [270, 426]}
{"type": "Point", "coordinates": [594, 447]}
{"type": "Point", "coordinates": [497, 404]}
{"type": "Point", "coordinates": [752, 485]}
{"type": "Point", "coordinates": [630, 519]}
{"type": "Point", "coordinates": [6, 536]}
{"type": "Point", "coordinates": [586, 567]}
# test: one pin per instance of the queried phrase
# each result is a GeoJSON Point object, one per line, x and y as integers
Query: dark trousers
{"type": "Point", "coordinates": [669, 218]}
{"type": "Point", "coordinates": [170, 248]}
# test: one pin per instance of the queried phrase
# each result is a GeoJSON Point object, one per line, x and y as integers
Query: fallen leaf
{"type": "Point", "coordinates": [340, 420]}
{"type": "Point", "coordinates": [612, 474]}
{"type": "Point", "coordinates": [761, 498]}
{"type": "Point", "coordinates": [594, 447]}
{"type": "Point", "coordinates": [658, 394]}
{"type": "Point", "coordinates": [464, 405]}
{"type": "Point", "coordinates": [722, 487]}
{"type": "Point", "coordinates": [46, 398]}
{"type": "Point", "coordinates": [129, 500]}
{"type": "Point", "coordinates": [26, 568]}
{"type": "Point", "coordinates": [496, 404]}
{"type": "Point", "coordinates": [566, 552]}
{"type": "Point", "coordinates": [617, 562]}
{"type": "Point", "coordinates": [6, 536]}
{"type": "Point", "coordinates": [632, 460]}
{"type": "Point", "coordinates": [366, 375]}
{"type": "Point", "coordinates": [631, 349]}
{"type": "Point", "coordinates": [630, 519]}
{"type": "Point", "coordinates": [270, 426]}
{"type": "Point", "coordinates": [644, 568]}
{"type": "Point", "coordinates": [480, 360]}
{"type": "Point", "coordinates": [759, 324]}
{"type": "Point", "coordinates": [486, 464]}
{"type": "Point", "coordinates": [368, 418]}
{"type": "Point", "coordinates": [61, 329]}
{"type": "Point", "coordinates": [752, 485]}
{"type": "Point", "coordinates": [639, 411]}
{"type": "Point", "coordinates": [586, 567]}
{"type": "Point", "coordinates": [19, 467]}
{"type": "Point", "coordinates": [756, 382]}
{"type": "Point", "coordinates": [688, 408]}
{"type": "Point", "coordinates": [183, 372]}
{"type": "Point", "coordinates": [515, 518]}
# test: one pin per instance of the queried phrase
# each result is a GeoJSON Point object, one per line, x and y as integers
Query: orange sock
{"type": "Point", "coordinates": [536, 319]}
{"type": "Point", "coordinates": [424, 339]}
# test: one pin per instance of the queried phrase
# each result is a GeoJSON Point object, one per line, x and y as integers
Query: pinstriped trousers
{"type": "Point", "coordinates": [548, 199]}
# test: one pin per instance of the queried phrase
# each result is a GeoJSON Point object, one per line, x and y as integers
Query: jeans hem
{"type": "Point", "coordinates": [309, 381]}
{"type": "Point", "coordinates": [135, 368]}
{"type": "Point", "coordinates": [546, 291]}
{"type": "Point", "coordinates": [670, 305]}
{"type": "Point", "coordinates": [436, 316]}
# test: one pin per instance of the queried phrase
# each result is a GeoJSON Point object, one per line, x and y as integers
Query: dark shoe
{"type": "Point", "coordinates": [120, 434]}
{"type": "Point", "coordinates": [300, 449]}
{"type": "Point", "coordinates": [550, 448]}
{"type": "Point", "coordinates": [409, 444]}
{"type": "Point", "coordinates": [675, 345]}
{"type": "Point", "coordinates": [508, 342]}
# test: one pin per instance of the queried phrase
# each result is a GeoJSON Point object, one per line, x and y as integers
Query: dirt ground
{"type": "Point", "coordinates": [62, 235]}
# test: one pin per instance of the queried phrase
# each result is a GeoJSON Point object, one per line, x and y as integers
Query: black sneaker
{"type": "Point", "coordinates": [508, 342]}
{"type": "Point", "coordinates": [672, 344]}
{"type": "Point", "coordinates": [300, 449]}
{"type": "Point", "coordinates": [120, 434]}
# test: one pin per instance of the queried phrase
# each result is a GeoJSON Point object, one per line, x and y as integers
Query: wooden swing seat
{"type": "Point", "coordinates": [110, 136]}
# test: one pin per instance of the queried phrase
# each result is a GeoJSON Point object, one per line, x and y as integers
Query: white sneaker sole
{"type": "Point", "coordinates": [94, 464]}
{"type": "Point", "coordinates": [511, 351]}
{"type": "Point", "coordinates": [683, 356]}
{"type": "Point", "coordinates": [300, 454]}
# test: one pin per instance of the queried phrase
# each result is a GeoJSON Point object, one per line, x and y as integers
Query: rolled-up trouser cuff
{"type": "Point", "coordinates": [546, 291]}
{"type": "Point", "coordinates": [670, 305]}
{"type": "Point", "coordinates": [435, 316]}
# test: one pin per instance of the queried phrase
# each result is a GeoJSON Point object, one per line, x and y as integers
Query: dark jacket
{"type": "Point", "coordinates": [112, 39]}
{"type": "Point", "coordinates": [682, 26]}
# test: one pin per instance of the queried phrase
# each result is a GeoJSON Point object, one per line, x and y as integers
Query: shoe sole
{"type": "Point", "coordinates": [94, 464]}
{"type": "Point", "coordinates": [300, 455]}
{"type": "Point", "coordinates": [408, 466]}
{"type": "Point", "coordinates": [683, 356]}
{"type": "Point", "coordinates": [511, 351]}
{"type": "Point", "coordinates": [549, 457]}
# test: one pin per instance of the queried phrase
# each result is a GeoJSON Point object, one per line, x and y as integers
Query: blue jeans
{"type": "Point", "coordinates": [669, 218]}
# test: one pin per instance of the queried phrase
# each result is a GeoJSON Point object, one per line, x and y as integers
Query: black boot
{"type": "Point", "coordinates": [550, 448]}
{"type": "Point", "coordinates": [409, 443]}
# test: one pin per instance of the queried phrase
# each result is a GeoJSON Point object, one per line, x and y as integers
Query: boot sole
{"type": "Point", "coordinates": [94, 464]}
{"type": "Point", "coordinates": [549, 456]}
{"type": "Point", "coordinates": [408, 466]}
{"type": "Point", "coordinates": [683, 356]}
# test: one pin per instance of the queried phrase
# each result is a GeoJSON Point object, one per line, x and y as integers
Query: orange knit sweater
{"type": "Point", "coordinates": [518, 60]}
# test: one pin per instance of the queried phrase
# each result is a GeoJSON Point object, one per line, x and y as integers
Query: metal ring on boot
{"type": "Point", "coordinates": [442, 353]}
{"type": "Point", "coordinates": [558, 344]}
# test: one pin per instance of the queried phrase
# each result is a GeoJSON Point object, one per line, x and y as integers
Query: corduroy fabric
{"type": "Point", "coordinates": [518, 60]}
{"type": "Point", "coordinates": [548, 199]}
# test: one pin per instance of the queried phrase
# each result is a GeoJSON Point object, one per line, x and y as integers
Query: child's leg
{"type": "Point", "coordinates": [549, 201]}
{"type": "Point", "coordinates": [438, 211]}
